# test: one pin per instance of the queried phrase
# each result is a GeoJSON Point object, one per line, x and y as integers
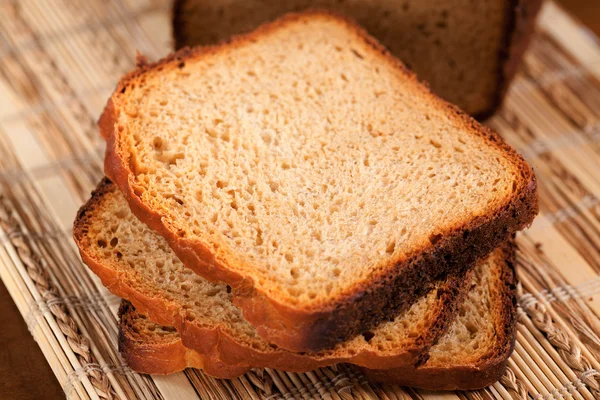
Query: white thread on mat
{"type": "Point", "coordinates": [37, 308]}
{"type": "Point", "coordinates": [86, 27]}
{"type": "Point", "coordinates": [15, 175]}
{"type": "Point", "coordinates": [6, 236]}
{"type": "Point", "coordinates": [339, 379]}
{"type": "Point", "coordinates": [552, 332]}
{"type": "Point", "coordinates": [317, 389]}
{"type": "Point", "coordinates": [563, 292]}
{"type": "Point", "coordinates": [547, 79]}
{"type": "Point", "coordinates": [303, 390]}
{"type": "Point", "coordinates": [312, 389]}
{"type": "Point", "coordinates": [564, 140]}
{"type": "Point", "coordinates": [53, 105]}
{"type": "Point", "coordinates": [291, 393]}
{"type": "Point", "coordinates": [589, 373]}
{"type": "Point", "coordinates": [78, 374]}
{"type": "Point", "coordinates": [585, 203]}
{"type": "Point", "coordinates": [561, 392]}
{"type": "Point", "coordinates": [358, 376]}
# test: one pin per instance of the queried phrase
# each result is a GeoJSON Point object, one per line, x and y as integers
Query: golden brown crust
{"type": "Point", "coordinates": [217, 345]}
{"type": "Point", "coordinates": [369, 303]}
{"type": "Point", "coordinates": [476, 375]}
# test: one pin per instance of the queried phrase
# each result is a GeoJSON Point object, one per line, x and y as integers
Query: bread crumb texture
{"type": "Point", "coordinates": [303, 161]}
{"type": "Point", "coordinates": [141, 260]}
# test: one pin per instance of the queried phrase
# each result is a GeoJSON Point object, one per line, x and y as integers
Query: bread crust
{"type": "Point", "coordinates": [217, 346]}
{"type": "Point", "coordinates": [164, 357]}
{"type": "Point", "coordinates": [478, 374]}
{"type": "Point", "coordinates": [369, 302]}
{"type": "Point", "coordinates": [521, 26]}
{"type": "Point", "coordinates": [521, 15]}
{"type": "Point", "coordinates": [177, 23]}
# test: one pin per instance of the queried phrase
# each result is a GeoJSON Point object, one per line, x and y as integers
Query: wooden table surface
{"type": "Point", "coordinates": [21, 358]}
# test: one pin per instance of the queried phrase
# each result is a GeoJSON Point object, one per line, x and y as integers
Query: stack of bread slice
{"type": "Point", "coordinates": [295, 198]}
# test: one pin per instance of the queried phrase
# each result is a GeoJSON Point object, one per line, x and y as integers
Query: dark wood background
{"type": "Point", "coordinates": [24, 372]}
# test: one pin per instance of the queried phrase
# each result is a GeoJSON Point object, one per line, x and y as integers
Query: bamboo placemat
{"type": "Point", "coordinates": [60, 60]}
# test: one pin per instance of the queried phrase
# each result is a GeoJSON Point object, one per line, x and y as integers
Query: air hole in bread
{"type": "Point", "coordinates": [368, 335]}
{"type": "Point", "coordinates": [435, 144]}
{"type": "Point", "coordinates": [391, 246]}
{"type": "Point", "coordinates": [158, 143]}
{"type": "Point", "coordinates": [435, 238]}
{"type": "Point", "coordinates": [357, 54]}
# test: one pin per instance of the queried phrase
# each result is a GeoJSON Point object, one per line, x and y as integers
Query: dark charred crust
{"type": "Point", "coordinates": [472, 376]}
{"type": "Point", "coordinates": [521, 26]}
{"type": "Point", "coordinates": [369, 303]}
{"type": "Point", "coordinates": [177, 24]}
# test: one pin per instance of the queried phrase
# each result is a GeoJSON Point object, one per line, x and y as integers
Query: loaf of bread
{"type": "Point", "coordinates": [308, 169]}
{"type": "Point", "coordinates": [467, 50]}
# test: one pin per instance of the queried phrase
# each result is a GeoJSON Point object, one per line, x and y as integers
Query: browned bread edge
{"type": "Point", "coordinates": [369, 302]}
{"type": "Point", "coordinates": [165, 357]}
{"type": "Point", "coordinates": [522, 15]}
{"type": "Point", "coordinates": [217, 346]}
{"type": "Point", "coordinates": [519, 30]}
{"type": "Point", "coordinates": [478, 374]}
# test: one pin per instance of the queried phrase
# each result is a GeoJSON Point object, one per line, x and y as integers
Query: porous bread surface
{"type": "Point", "coordinates": [136, 263]}
{"type": "Point", "coordinates": [474, 349]}
{"type": "Point", "coordinates": [308, 171]}
{"type": "Point", "coordinates": [457, 46]}
{"type": "Point", "coordinates": [473, 334]}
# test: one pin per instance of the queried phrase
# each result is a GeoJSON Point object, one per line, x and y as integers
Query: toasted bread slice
{"type": "Point", "coordinates": [308, 169]}
{"type": "Point", "coordinates": [467, 53]}
{"type": "Point", "coordinates": [136, 263]}
{"type": "Point", "coordinates": [471, 355]}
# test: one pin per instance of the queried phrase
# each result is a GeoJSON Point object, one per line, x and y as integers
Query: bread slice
{"type": "Point", "coordinates": [136, 263]}
{"type": "Point", "coordinates": [155, 349]}
{"type": "Point", "coordinates": [474, 351]}
{"type": "Point", "coordinates": [468, 51]}
{"type": "Point", "coordinates": [471, 355]}
{"type": "Point", "coordinates": [309, 170]}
